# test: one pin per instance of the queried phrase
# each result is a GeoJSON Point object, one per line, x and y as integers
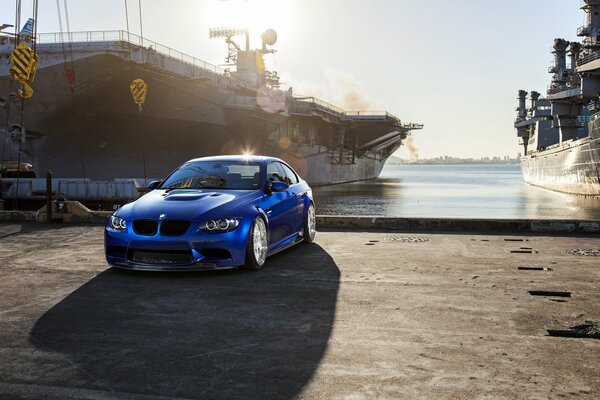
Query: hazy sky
{"type": "Point", "coordinates": [454, 66]}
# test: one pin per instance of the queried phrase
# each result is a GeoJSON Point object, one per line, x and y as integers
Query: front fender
{"type": "Point", "coordinates": [308, 199]}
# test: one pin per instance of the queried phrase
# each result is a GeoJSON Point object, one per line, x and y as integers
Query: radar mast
{"type": "Point", "coordinates": [250, 64]}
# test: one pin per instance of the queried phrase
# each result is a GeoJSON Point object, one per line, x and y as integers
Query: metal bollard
{"type": "Point", "coordinates": [49, 196]}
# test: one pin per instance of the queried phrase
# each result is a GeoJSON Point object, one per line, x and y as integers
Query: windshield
{"type": "Point", "coordinates": [233, 175]}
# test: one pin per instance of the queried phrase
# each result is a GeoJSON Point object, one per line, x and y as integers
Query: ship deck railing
{"type": "Point", "coordinates": [319, 104]}
{"type": "Point", "coordinates": [101, 38]}
{"type": "Point", "coordinates": [371, 116]}
{"type": "Point", "coordinates": [590, 57]}
{"type": "Point", "coordinates": [304, 104]}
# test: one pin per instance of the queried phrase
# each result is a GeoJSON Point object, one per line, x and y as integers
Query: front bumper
{"type": "Point", "coordinates": [194, 251]}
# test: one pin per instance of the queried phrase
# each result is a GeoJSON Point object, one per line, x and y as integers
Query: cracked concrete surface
{"type": "Point", "coordinates": [354, 316]}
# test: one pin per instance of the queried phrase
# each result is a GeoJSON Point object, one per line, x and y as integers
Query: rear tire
{"type": "Point", "coordinates": [310, 224]}
{"type": "Point", "coordinates": [256, 249]}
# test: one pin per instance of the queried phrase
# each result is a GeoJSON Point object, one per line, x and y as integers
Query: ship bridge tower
{"type": "Point", "coordinates": [589, 55]}
{"type": "Point", "coordinates": [590, 31]}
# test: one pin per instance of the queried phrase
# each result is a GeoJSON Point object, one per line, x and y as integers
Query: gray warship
{"type": "Point", "coordinates": [82, 123]}
{"type": "Point", "coordinates": [560, 133]}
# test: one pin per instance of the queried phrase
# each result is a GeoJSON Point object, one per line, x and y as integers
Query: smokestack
{"type": "Point", "coordinates": [574, 51]}
{"type": "Point", "coordinates": [522, 112]}
{"type": "Point", "coordinates": [534, 98]}
{"type": "Point", "coordinates": [560, 58]}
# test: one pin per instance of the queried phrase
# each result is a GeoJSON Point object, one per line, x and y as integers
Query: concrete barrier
{"type": "Point", "coordinates": [67, 212]}
{"type": "Point", "coordinates": [74, 212]}
{"type": "Point", "coordinates": [17, 216]}
{"type": "Point", "coordinates": [340, 222]}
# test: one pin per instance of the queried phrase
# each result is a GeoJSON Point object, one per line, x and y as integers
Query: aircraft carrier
{"type": "Point", "coordinates": [82, 122]}
{"type": "Point", "coordinates": [560, 133]}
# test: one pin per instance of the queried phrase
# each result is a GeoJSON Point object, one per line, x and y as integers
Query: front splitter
{"type": "Point", "coordinates": [171, 268]}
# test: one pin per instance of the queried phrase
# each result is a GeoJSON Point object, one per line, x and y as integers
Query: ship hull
{"type": "Point", "coordinates": [96, 131]}
{"type": "Point", "coordinates": [573, 167]}
{"type": "Point", "coordinates": [93, 130]}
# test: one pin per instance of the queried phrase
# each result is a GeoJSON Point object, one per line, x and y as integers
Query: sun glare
{"type": "Point", "coordinates": [256, 15]}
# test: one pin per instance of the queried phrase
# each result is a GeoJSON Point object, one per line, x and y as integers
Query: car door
{"type": "Point", "coordinates": [297, 196]}
{"type": "Point", "coordinates": [279, 206]}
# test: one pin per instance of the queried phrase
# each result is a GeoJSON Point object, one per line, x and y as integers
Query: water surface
{"type": "Point", "coordinates": [452, 191]}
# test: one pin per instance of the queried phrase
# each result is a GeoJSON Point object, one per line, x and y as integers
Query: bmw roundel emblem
{"type": "Point", "coordinates": [162, 216]}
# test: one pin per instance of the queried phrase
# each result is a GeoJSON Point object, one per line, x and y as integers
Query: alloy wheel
{"type": "Point", "coordinates": [259, 240]}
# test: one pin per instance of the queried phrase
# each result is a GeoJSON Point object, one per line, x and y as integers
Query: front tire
{"type": "Point", "coordinates": [310, 224]}
{"type": "Point", "coordinates": [256, 249]}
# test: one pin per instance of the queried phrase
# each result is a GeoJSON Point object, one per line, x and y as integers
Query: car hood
{"type": "Point", "coordinates": [191, 205]}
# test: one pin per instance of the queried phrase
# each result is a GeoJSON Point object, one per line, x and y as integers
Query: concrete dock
{"type": "Point", "coordinates": [356, 315]}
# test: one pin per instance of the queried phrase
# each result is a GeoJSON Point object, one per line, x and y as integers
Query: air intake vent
{"type": "Point", "coordinates": [174, 227]}
{"type": "Point", "coordinates": [161, 257]}
{"type": "Point", "coordinates": [216, 254]}
{"type": "Point", "coordinates": [116, 251]}
{"type": "Point", "coordinates": [145, 227]}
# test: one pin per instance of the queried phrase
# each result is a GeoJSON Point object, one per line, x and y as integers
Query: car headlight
{"type": "Point", "coordinates": [220, 225]}
{"type": "Point", "coordinates": [118, 223]}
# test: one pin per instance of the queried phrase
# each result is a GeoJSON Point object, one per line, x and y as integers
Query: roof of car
{"type": "Point", "coordinates": [250, 158]}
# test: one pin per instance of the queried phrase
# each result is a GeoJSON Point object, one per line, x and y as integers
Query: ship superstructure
{"type": "Point", "coordinates": [81, 122]}
{"type": "Point", "coordinates": [560, 132]}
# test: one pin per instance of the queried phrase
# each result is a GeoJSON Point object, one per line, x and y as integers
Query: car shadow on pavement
{"type": "Point", "coordinates": [223, 334]}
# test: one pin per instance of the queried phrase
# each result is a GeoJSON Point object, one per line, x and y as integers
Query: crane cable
{"type": "Point", "coordinates": [145, 91]}
{"type": "Point", "coordinates": [141, 28]}
{"type": "Point", "coordinates": [69, 64]}
{"type": "Point", "coordinates": [23, 132]}
{"type": "Point", "coordinates": [12, 81]}
{"type": "Point", "coordinates": [72, 62]}
{"type": "Point", "coordinates": [60, 27]}
{"type": "Point", "coordinates": [127, 24]}
{"type": "Point", "coordinates": [17, 21]}
{"type": "Point", "coordinates": [69, 67]}
{"type": "Point", "coordinates": [17, 42]}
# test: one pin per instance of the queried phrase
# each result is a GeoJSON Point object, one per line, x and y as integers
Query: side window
{"type": "Point", "coordinates": [275, 173]}
{"type": "Point", "coordinates": [292, 178]}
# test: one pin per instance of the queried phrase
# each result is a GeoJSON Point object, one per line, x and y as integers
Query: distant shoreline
{"type": "Point", "coordinates": [454, 161]}
{"type": "Point", "coordinates": [451, 163]}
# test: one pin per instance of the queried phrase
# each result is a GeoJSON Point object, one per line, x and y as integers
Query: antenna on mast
{"type": "Point", "coordinates": [228, 34]}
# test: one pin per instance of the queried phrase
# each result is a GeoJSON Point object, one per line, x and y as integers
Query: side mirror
{"type": "Point", "coordinates": [277, 187]}
{"type": "Point", "coordinates": [154, 184]}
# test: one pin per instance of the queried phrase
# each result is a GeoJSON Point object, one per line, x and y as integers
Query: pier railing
{"type": "Point", "coordinates": [127, 37]}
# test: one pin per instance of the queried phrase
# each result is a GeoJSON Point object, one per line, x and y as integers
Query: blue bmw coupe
{"type": "Point", "coordinates": [213, 212]}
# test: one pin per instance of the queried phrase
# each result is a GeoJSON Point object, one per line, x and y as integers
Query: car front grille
{"type": "Point", "coordinates": [145, 227]}
{"type": "Point", "coordinates": [161, 256]}
{"type": "Point", "coordinates": [174, 227]}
